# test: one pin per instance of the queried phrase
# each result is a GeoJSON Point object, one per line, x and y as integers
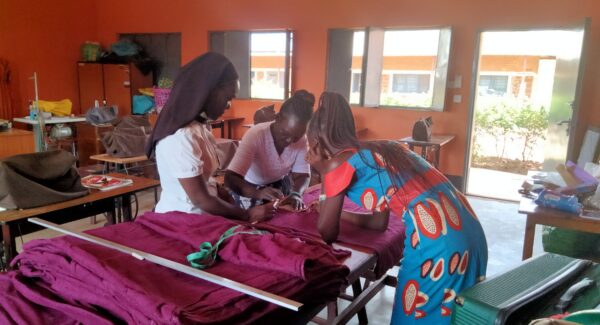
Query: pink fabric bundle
{"type": "Point", "coordinates": [388, 245]}
{"type": "Point", "coordinates": [68, 279]}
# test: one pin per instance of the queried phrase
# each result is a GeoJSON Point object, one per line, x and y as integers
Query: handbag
{"type": "Point", "coordinates": [265, 114]}
{"type": "Point", "coordinates": [101, 114]}
{"type": "Point", "coordinates": [38, 179]}
{"type": "Point", "coordinates": [422, 129]}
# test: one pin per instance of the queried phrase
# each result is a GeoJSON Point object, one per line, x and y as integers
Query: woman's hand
{"type": "Point", "coordinates": [295, 202]}
{"type": "Point", "coordinates": [269, 194]}
{"type": "Point", "coordinates": [224, 194]}
{"type": "Point", "coordinates": [315, 206]}
{"type": "Point", "coordinates": [261, 213]}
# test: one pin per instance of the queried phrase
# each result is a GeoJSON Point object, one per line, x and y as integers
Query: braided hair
{"type": "Point", "coordinates": [299, 105]}
{"type": "Point", "coordinates": [333, 123]}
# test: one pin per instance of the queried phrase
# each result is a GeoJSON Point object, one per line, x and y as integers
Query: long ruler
{"type": "Point", "coordinates": [260, 294]}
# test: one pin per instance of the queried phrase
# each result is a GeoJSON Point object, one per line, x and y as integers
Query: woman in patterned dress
{"type": "Point", "coordinates": [445, 250]}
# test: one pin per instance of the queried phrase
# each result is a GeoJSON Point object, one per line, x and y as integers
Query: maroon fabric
{"type": "Point", "coordinates": [85, 281]}
{"type": "Point", "coordinates": [388, 245]}
{"type": "Point", "coordinates": [18, 309]}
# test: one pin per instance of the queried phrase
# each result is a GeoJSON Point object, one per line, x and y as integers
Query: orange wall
{"type": "Point", "coordinates": [310, 20]}
{"type": "Point", "coordinates": [44, 36]}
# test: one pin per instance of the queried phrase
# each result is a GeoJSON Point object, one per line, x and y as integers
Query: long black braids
{"type": "Point", "coordinates": [333, 123]}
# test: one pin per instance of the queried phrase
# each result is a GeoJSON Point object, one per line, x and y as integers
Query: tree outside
{"type": "Point", "coordinates": [509, 135]}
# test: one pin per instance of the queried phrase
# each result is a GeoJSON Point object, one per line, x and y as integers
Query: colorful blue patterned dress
{"type": "Point", "coordinates": [445, 250]}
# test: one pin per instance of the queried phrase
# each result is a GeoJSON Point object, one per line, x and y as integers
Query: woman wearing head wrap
{"type": "Point", "coordinates": [269, 163]}
{"type": "Point", "coordinates": [184, 146]}
{"type": "Point", "coordinates": [445, 250]}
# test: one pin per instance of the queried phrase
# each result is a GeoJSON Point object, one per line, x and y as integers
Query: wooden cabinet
{"type": "Point", "coordinates": [89, 143]}
{"type": "Point", "coordinates": [115, 83]}
{"type": "Point", "coordinates": [15, 142]}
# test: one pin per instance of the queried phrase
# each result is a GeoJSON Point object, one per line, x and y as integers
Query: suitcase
{"type": "Point", "coordinates": [540, 287]}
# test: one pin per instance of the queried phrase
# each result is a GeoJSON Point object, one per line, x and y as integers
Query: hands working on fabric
{"type": "Point", "coordinates": [269, 194]}
{"type": "Point", "coordinates": [292, 202]}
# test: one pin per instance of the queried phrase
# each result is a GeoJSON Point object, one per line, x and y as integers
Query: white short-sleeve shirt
{"type": "Point", "coordinates": [189, 152]}
{"type": "Point", "coordinates": [258, 161]}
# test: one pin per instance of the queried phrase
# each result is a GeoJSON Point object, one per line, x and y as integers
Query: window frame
{"type": "Point", "coordinates": [372, 67]}
{"type": "Point", "coordinates": [245, 69]}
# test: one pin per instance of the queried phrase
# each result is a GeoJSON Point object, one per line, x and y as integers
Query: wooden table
{"type": "Point", "coordinates": [220, 124]}
{"type": "Point", "coordinates": [14, 222]}
{"type": "Point", "coordinates": [361, 264]}
{"type": "Point", "coordinates": [587, 222]}
{"type": "Point", "coordinates": [15, 142]}
{"type": "Point", "coordinates": [121, 164]}
{"type": "Point", "coordinates": [434, 144]}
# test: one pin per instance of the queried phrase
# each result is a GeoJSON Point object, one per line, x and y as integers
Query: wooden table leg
{"type": "Point", "coordinates": [437, 156]}
{"type": "Point", "coordinates": [332, 310]}
{"type": "Point", "coordinates": [528, 240]}
{"type": "Point", "coordinates": [362, 313]}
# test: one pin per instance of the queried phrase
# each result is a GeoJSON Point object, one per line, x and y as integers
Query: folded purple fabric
{"type": "Point", "coordinates": [274, 251]}
{"type": "Point", "coordinates": [18, 309]}
{"type": "Point", "coordinates": [84, 281]}
{"type": "Point", "coordinates": [388, 245]}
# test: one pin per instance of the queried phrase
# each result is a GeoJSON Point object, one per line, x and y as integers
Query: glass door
{"type": "Point", "coordinates": [525, 97]}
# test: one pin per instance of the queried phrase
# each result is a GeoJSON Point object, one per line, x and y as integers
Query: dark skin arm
{"type": "Point", "coordinates": [330, 214]}
{"type": "Point", "coordinates": [197, 191]}
{"type": "Point", "coordinates": [330, 211]}
{"type": "Point", "coordinates": [238, 184]}
{"type": "Point", "coordinates": [299, 184]}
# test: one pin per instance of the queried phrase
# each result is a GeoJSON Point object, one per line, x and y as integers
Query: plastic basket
{"type": "Point", "coordinates": [160, 97]}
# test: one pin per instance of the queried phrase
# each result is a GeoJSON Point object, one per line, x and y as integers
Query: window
{"type": "Point", "coordinates": [493, 85]}
{"type": "Point", "coordinates": [345, 63]}
{"type": "Point", "coordinates": [410, 83]}
{"type": "Point", "coordinates": [394, 68]}
{"type": "Point", "coordinates": [355, 83]}
{"type": "Point", "coordinates": [262, 59]}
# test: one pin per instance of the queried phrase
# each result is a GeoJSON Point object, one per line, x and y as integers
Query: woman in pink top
{"type": "Point", "coordinates": [269, 163]}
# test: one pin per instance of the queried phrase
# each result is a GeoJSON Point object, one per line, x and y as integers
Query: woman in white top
{"type": "Point", "coordinates": [269, 163]}
{"type": "Point", "coordinates": [184, 146]}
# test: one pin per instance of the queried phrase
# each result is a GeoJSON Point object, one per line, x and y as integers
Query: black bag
{"type": "Point", "coordinates": [38, 179]}
{"type": "Point", "coordinates": [422, 129]}
{"type": "Point", "coordinates": [128, 138]}
{"type": "Point", "coordinates": [101, 114]}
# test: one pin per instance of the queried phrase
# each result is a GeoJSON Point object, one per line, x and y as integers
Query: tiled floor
{"type": "Point", "coordinates": [494, 184]}
{"type": "Point", "coordinates": [503, 226]}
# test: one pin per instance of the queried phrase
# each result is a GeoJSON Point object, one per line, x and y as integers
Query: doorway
{"type": "Point", "coordinates": [525, 95]}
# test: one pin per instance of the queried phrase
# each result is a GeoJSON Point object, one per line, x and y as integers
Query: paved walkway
{"type": "Point", "coordinates": [494, 184]}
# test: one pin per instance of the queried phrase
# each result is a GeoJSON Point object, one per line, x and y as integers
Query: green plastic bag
{"type": "Point", "coordinates": [571, 243]}
{"type": "Point", "coordinates": [90, 51]}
